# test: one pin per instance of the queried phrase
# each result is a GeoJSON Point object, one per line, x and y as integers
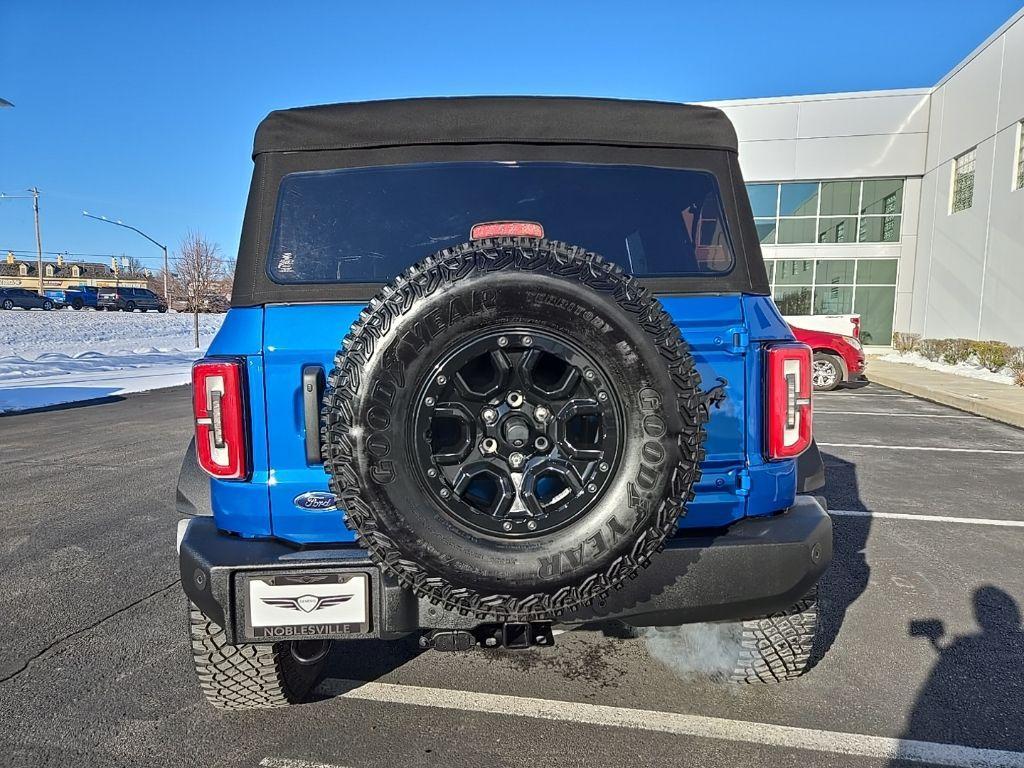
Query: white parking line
{"type": "Point", "coordinates": [699, 726]}
{"type": "Point", "coordinates": [818, 411]}
{"type": "Point", "coordinates": [859, 395]}
{"type": "Point", "coordinates": [920, 448]}
{"type": "Point", "coordinates": [928, 518]}
{"type": "Point", "coordinates": [286, 762]}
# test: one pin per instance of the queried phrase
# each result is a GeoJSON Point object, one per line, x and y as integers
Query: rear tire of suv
{"type": "Point", "coordinates": [826, 372]}
{"type": "Point", "coordinates": [779, 647]}
{"type": "Point", "coordinates": [77, 304]}
{"type": "Point", "coordinates": [248, 676]}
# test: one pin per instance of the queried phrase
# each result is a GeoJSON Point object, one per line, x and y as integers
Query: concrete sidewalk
{"type": "Point", "coordinates": [994, 401]}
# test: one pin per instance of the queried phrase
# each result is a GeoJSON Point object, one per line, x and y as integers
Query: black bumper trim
{"type": "Point", "coordinates": [757, 566]}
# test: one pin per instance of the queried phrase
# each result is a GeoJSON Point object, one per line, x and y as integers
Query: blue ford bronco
{"type": "Point", "coordinates": [496, 368]}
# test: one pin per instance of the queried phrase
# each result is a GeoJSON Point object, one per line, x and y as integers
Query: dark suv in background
{"type": "Point", "coordinates": [129, 300]}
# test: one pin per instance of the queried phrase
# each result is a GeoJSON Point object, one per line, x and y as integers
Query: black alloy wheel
{"type": "Point", "coordinates": [517, 433]}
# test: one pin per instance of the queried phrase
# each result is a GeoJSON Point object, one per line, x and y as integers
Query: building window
{"type": "Point", "coordinates": [962, 195]}
{"type": "Point", "coordinates": [807, 212]}
{"type": "Point", "coordinates": [22, 270]}
{"type": "Point", "coordinates": [1019, 176]}
{"type": "Point", "coordinates": [865, 286]}
{"type": "Point", "coordinates": [49, 270]}
{"type": "Point", "coordinates": [76, 272]}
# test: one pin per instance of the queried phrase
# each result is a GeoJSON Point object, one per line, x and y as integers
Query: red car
{"type": "Point", "coordinates": [838, 359]}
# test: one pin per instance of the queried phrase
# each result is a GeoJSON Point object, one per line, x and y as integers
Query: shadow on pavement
{"type": "Point", "coordinates": [974, 695]}
{"type": "Point", "coordinates": [845, 581]}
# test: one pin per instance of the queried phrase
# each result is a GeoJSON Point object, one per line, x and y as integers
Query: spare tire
{"type": "Point", "coordinates": [513, 428]}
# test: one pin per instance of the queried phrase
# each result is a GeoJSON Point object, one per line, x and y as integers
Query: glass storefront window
{"type": "Point", "coordinates": [763, 199]}
{"type": "Point", "coordinates": [834, 271]}
{"type": "Point", "coordinates": [794, 271]}
{"type": "Point", "coordinates": [839, 197]}
{"type": "Point", "coordinates": [797, 231]}
{"type": "Point", "coordinates": [850, 211]}
{"type": "Point", "coordinates": [875, 306]}
{"type": "Point", "coordinates": [833, 299]}
{"type": "Point", "coordinates": [865, 286]}
{"type": "Point", "coordinates": [765, 230]}
{"type": "Point", "coordinates": [876, 271]}
{"type": "Point", "coordinates": [837, 229]}
{"type": "Point", "coordinates": [882, 196]}
{"type": "Point", "coordinates": [800, 199]}
{"type": "Point", "coordinates": [880, 229]}
{"type": "Point", "coordinates": [793, 300]}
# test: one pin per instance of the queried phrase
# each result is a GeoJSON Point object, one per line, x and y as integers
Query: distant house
{"type": "Point", "coordinates": [61, 274]}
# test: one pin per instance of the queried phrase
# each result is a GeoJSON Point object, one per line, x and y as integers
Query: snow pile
{"type": "Point", "coordinates": [49, 358]}
{"type": "Point", "coordinates": [969, 369]}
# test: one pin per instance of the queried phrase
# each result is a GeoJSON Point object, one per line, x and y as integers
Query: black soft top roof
{"type": "Point", "coordinates": [494, 119]}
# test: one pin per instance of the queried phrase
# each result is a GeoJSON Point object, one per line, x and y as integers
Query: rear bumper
{"type": "Point", "coordinates": [754, 567]}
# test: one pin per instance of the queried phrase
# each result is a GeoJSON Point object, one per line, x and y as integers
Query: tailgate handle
{"type": "Point", "coordinates": [313, 382]}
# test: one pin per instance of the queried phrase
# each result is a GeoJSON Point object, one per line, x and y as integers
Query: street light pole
{"type": "Point", "coordinates": [119, 223]}
{"type": "Point", "coordinates": [39, 238]}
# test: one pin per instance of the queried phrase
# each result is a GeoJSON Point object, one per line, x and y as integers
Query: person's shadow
{"type": "Point", "coordinates": [975, 694]}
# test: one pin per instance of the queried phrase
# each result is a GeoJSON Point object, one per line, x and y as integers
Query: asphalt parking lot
{"type": "Point", "coordinates": [929, 522]}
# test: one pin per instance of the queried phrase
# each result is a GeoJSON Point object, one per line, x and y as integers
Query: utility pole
{"type": "Point", "coordinates": [39, 238]}
{"type": "Point", "coordinates": [119, 223]}
{"type": "Point", "coordinates": [167, 295]}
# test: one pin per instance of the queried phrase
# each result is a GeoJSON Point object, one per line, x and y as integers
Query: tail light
{"type": "Point", "coordinates": [219, 407]}
{"type": "Point", "coordinates": [789, 400]}
{"type": "Point", "coordinates": [856, 326]}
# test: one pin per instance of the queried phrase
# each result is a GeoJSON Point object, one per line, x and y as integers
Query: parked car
{"type": "Point", "coordinates": [845, 325]}
{"type": "Point", "coordinates": [838, 359]}
{"type": "Point", "coordinates": [57, 296]}
{"type": "Point", "coordinates": [517, 436]}
{"type": "Point", "coordinates": [129, 300]}
{"type": "Point", "coordinates": [81, 297]}
{"type": "Point", "coordinates": [11, 298]}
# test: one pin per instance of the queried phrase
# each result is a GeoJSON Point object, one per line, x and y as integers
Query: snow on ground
{"type": "Point", "coordinates": [49, 358]}
{"type": "Point", "coordinates": [972, 370]}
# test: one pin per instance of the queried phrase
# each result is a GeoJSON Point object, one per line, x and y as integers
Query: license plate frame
{"type": "Point", "coordinates": [297, 595]}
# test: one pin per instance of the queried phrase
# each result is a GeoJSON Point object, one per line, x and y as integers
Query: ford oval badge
{"type": "Point", "coordinates": [317, 501]}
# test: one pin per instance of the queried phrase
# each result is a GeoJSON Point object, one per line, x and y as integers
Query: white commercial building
{"type": "Point", "coordinates": [904, 206]}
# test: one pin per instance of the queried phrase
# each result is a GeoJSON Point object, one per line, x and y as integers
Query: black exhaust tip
{"type": "Point", "coordinates": [309, 651]}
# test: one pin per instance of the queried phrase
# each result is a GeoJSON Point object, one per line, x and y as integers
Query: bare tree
{"type": "Point", "coordinates": [198, 268]}
{"type": "Point", "coordinates": [131, 266]}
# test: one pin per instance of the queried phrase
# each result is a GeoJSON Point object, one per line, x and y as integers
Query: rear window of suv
{"type": "Point", "coordinates": [366, 225]}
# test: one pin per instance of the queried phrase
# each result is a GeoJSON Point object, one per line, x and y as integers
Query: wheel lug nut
{"type": "Point", "coordinates": [603, 466]}
{"type": "Point", "coordinates": [588, 375]}
{"type": "Point", "coordinates": [531, 525]}
{"type": "Point", "coordinates": [429, 402]}
{"type": "Point", "coordinates": [602, 396]}
{"type": "Point", "coordinates": [541, 443]}
{"type": "Point", "coordinates": [442, 379]}
{"type": "Point", "coordinates": [507, 525]}
{"type": "Point", "coordinates": [502, 341]}
{"type": "Point", "coordinates": [445, 493]}
{"type": "Point", "coordinates": [488, 445]}
{"type": "Point", "coordinates": [516, 460]}
{"type": "Point", "coordinates": [514, 398]}
{"type": "Point", "coordinates": [431, 472]}
{"type": "Point", "coordinates": [489, 415]}
{"type": "Point", "coordinates": [527, 341]}
{"type": "Point", "coordinates": [541, 414]}
{"type": "Point", "coordinates": [592, 488]}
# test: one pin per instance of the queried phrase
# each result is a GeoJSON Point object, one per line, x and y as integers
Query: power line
{"type": "Point", "coordinates": [83, 255]}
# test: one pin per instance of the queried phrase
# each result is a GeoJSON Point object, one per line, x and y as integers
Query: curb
{"type": "Point", "coordinates": [1007, 415]}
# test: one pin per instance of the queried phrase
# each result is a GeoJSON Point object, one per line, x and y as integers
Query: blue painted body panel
{"type": "Point", "coordinates": [726, 334]}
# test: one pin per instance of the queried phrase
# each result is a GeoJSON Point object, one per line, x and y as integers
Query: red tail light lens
{"type": "Point", "coordinates": [789, 400]}
{"type": "Point", "coordinates": [506, 229]}
{"type": "Point", "coordinates": [219, 407]}
{"type": "Point", "coordinates": [856, 326]}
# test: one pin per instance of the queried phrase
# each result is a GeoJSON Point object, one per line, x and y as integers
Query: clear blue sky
{"type": "Point", "coordinates": [145, 111]}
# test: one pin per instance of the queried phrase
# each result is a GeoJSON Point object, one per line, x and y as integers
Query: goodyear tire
{"type": "Point", "coordinates": [247, 676]}
{"type": "Point", "coordinates": [513, 428]}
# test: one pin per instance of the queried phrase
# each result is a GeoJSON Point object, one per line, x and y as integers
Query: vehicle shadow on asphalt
{"type": "Point", "coordinates": [355, 662]}
{"type": "Point", "coordinates": [974, 695]}
{"type": "Point", "coordinates": [847, 578]}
